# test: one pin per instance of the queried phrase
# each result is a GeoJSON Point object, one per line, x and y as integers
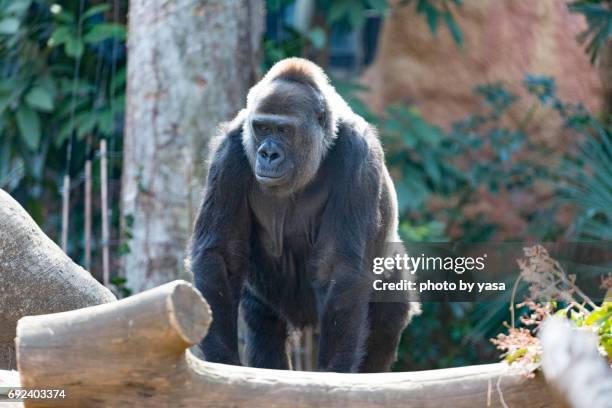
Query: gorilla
{"type": "Point", "coordinates": [298, 202]}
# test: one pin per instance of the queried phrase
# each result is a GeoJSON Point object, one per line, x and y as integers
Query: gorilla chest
{"type": "Point", "coordinates": [286, 226]}
{"type": "Point", "coordinates": [283, 243]}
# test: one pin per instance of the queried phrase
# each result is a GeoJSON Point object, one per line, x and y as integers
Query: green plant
{"type": "Point", "coordinates": [585, 173]}
{"type": "Point", "coordinates": [345, 15]}
{"type": "Point", "coordinates": [598, 14]}
{"type": "Point", "coordinates": [552, 292]}
{"type": "Point", "coordinates": [62, 79]}
{"type": "Point", "coordinates": [434, 11]}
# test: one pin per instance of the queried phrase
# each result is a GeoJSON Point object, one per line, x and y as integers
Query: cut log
{"type": "Point", "coordinates": [134, 353]}
{"type": "Point", "coordinates": [36, 276]}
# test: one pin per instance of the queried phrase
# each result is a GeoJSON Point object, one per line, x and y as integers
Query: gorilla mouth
{"type": "Point", "coordinates": [269, 179]}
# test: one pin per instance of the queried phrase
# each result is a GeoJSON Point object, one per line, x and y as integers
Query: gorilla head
{"type": "Point", "coordinates": [289, 126]}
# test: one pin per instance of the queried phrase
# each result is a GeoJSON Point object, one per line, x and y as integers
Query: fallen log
{"type": "Point", "coordinates": [134, 352]}
{"type": "Point", "coordinates": [36, 276]}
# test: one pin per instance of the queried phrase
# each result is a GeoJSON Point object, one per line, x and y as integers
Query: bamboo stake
{"type": "Point", "coordinates": [88, 215]}
{"type": "Point", "coordinates": [308, 359]}
{"type": "Point", "coordinates": [105, 225]}
{"type": "Point", "coordinates": [296, 346]}
{"type": "Point", "coordinates": [65, 212]}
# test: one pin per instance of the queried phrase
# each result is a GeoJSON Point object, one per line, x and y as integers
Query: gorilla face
{"type": "Point", "coordinates": [284, 136]}
{"type": "Point", "coordinates": [274, 133]}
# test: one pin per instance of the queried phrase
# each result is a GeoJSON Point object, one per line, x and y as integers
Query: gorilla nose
{"type": "Point", "coordinates": [271, 153]}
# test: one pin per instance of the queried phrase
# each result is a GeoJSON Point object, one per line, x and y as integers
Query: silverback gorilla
{"type": "Point", "coordinates": [298, 202]}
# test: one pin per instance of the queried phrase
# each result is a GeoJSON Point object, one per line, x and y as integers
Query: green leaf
{"type": "Point", "coordinates": [18, 7]}
{"type": "Point", "coordinates": [92, 11]}
{"type": "Point", "coordinates": [104, 31]}
{"type": "Point", "coordinates": [338, 10]}
{"type": "Point", "coordinates": [47, 83]}
{"type": "Point", "coordinates": [74, 47]}
{"type": "Point", "coordinates": [85, 123]}
{"type": "Point", "coordinates": [64, 17]}
{"type": "Point", "coordinates": [9, 25]}
{"type": "Point", "coordinates": [60, 36]}
{"type": "Point", "coordinates": [5, 99]}
{"type": "Point", "coordinates": [118, 81]}
{"type": "Point", "coordinates": [118, 281]}
{"type": "Point", "coordinates": [432, 20]}
{"type": "Point", "coordinates": [28, 123]}
{"type": "Point", "coordinates": [38, 98]}
{"type": "Point", "coordinates": [106, 122]}
{"type": "Point", "coordinates": [357, 15]}
{"type": "Point", "coordinates": [378, 5]}
{"type": "Point", "coordinates": [64, 133]}
{"type": "Point", "coordinates": [317, 37]}
{"type": "Point", "coordinates": [454, 28]}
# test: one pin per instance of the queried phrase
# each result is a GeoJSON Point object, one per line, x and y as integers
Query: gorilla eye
{"type": "Point", "coordinates": [282, 129]}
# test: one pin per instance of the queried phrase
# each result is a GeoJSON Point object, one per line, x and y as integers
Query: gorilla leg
{"type": "Point", "coordinates": [387, 321]}
{"type": "Point", "coordinates": [266, 335]}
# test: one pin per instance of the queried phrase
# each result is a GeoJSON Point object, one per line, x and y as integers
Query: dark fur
{"type": "Point", "coordinates": [298, 252]}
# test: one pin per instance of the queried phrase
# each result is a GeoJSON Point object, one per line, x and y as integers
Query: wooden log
{"type": "Point", "coordinates": [36, 276]}
{"type": "Point", "coordinates": [573, 365]}
{"type": "Point", "coordinates": [134, 353]}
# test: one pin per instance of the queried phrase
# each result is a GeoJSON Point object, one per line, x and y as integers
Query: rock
{"type": "Point", "coordinates": [504, 40]}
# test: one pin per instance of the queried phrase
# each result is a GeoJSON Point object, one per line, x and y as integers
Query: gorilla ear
{"type": "Point", "coordinates": [322, 117]}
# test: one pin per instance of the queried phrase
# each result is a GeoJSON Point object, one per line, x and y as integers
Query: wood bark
{"type": "Point", "coordinates": [134, 353]}
{"type": "Point", "coordinates": [36, 276]}
{"type": "Point", "coordinates": [190, 66]}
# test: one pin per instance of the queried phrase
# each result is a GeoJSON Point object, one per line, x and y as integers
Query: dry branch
{"type": "Point", "coordinates": [36, 276]}
{"type": "Point", "coordinates": [134, 353]}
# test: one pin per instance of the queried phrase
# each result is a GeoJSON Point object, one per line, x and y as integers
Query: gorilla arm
{"type": "Point", "coordinates": [349, 221]}
{"type": "Point", "coordinates": [219, 249]}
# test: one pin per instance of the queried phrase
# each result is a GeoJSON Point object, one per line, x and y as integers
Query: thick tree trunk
{"type": "Point", "coordinates": [36, 276]}
{"type": "Point", "coordinates": [133, 353]}
{"type": "Point", "coordinates": [190, 66]}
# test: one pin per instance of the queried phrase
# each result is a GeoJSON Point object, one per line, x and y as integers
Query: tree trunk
{"type": "Point", "coordinates": [133, 353]}
{"type": "Point", "coordinates": [36, 276]}
{"type": "Point", "coordinates": [190, 66]}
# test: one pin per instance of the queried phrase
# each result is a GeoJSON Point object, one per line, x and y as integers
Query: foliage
{"type": "Point", "coordinates": [62, 82]}
{"type": "Point", "coordinates": [586, 171]}
{"type": "Point", "coordinates": [345, 15]}
{"type": "Point", "coordinates": [552, 291]}
{"type": "Point", "coordinates": [598, 14]}
{"type": "Point", "coordinates": [434, 11]}
{"type": "Point", "coordinates": [120, 287]}
{"type": "Point", "coordinates": [442, 178]}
